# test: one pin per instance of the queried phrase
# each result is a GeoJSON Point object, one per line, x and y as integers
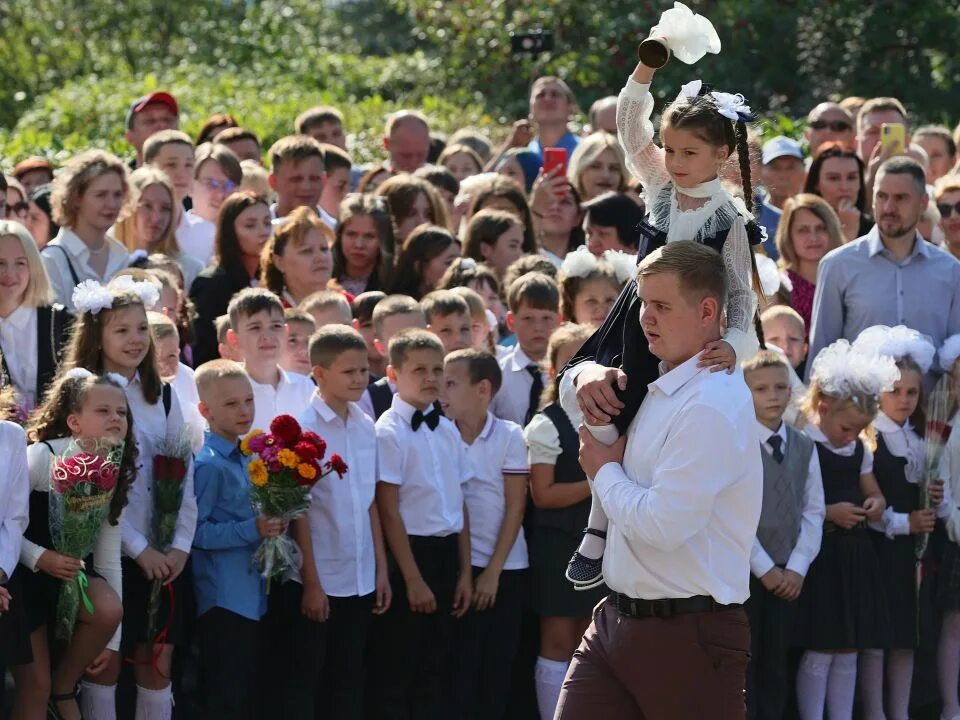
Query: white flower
{"type": "Point", "coordinates": [688, 35]}
{"type": "Point", "coordinates": [897, 342]}
{"type": "Point", "coordinates": [730, 106]}
{"type": "Point", "coordinates": [147, 292]}
{"type": "Point", "coordinates": [78, 373]}
{"type": "Point", "coordinates": [579, 263]}
{"type": "Point", "coordinates": [843, 371]}
{"type": "Point", "coordinates": [118, 379]}
{"type": "Point", "coordinates": [624, 264]}
{"type": "Point", "coordinates": [92, 297]}
{"type": "Point", "coordinates": [949, 353]}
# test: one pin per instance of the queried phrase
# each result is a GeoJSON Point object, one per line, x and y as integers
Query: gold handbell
{"type": "Point", "coordinates": [653, 52]}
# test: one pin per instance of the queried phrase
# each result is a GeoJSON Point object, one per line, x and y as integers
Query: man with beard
{"type": "Point", "coordinates": [891, 275]}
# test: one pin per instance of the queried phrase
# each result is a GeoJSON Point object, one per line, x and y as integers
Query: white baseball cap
{"type": "Point", "coordinates": [781, 146]}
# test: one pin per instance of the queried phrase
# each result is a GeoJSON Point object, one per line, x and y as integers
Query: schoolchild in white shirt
{"type": "Point", "coordinates": [422, 466]}
{"type": "Point", "coordinates": [391, 315]}
{"type": "Point", "coordinates": [495, 497]}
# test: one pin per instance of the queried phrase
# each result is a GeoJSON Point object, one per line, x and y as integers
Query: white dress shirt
{"type": "Point", "coordinates": [291, 396]}
{"type": "Point", "coordinates": [685, 504]}
{"type": "Point", "coordinates": [430, 466]}
{"type": "Point", "coordinates": [513, 399]}
{"type": "Point", "coordinates": [499, 450]}
{"type": "Point", "coordinates": [151, 426]}
{"type": "Point", "coordinates": [58, 270]}
{"type": "Point", "coordinates": [366, 402]}
{"type": "Point", "coordinates": [106, 550]}
{"type": "Point", "coordinates": [329, 220]}
{"type": "Point", "coordinates": [339, 514]}
{"type": "Point", "coordinates": [18, 341]}
{"type": "Point", "coordinates": [14, 495]}
{"type": "Point", "coordinates": [195, 237]}
{"type": "Point", "coordinates": [811, 519]}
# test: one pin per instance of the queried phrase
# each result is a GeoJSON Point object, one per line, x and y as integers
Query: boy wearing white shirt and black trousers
{"type": "Point", "coordinates": [495, 497]}
{"type": "Point", "coordinates": [344, 573]}
{"type": "Point", "coordinates": [422, 466]}
{"type": "Point", "coordinates": [788, 538]}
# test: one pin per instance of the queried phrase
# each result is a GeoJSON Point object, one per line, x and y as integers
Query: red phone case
{"type": "Point", "coordinates": [555, 157]}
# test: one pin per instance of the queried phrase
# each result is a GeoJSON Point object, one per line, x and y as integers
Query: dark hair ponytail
{"type": "Point", "coordinates": [743, 155]}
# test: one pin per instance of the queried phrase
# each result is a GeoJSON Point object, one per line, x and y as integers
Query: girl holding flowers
{"type": "Point", "coordinates": [86, 408]}
{"type": "Point", "coordinates": [112, 334]}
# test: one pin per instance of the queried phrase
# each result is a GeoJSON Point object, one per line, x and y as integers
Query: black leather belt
{"type": "Point", "coordinates": [830, 527]}
{"type": "Point", "coordinates": [636, 608]}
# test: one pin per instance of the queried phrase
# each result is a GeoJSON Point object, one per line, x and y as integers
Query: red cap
{"type": "Point", "coordinates": [159, 97]}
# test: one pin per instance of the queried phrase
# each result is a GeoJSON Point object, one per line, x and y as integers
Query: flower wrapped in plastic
{"type": "Point", "coordinates": [286, 463]}
{"type": "Point", "coordinates": [170, 464]}
{"type": "Point", "coordinates": [688, 35]}
{"type": "Point", "coordinates": [82, 482]}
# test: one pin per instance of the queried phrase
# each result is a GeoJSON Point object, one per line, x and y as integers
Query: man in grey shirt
{"type": "Point", "coordinates": [890, 276]}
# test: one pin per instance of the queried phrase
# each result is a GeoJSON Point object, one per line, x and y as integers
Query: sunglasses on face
{"type": "Point", "coordinates": [833, 125]}
{"type": "Point", "coordinates": [946, 210]}
{"type": "Point", "coordinates": [19, 209]}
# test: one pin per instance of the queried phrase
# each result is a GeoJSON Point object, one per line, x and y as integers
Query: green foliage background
{"type": "Point", "coordinates": [68, 68]}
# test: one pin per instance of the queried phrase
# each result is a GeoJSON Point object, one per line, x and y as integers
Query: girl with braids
{"type": "Point", "coordinates": [700, 131]}
{"type": "Point", "coordinates": [80, 405]}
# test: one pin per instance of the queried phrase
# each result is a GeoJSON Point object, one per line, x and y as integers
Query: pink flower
{"type": "Point", "coordinates": [258, 443]}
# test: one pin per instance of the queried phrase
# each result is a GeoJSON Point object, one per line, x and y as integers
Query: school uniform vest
{"type": "Point", "coordinates": [53, 333]}
{"type": "Point", "coordinates": [381, 396]}
{"type": "Point", "coordinates": [841, 475]}
{"type": "Point", "coordinates": [784, 485]}
{"type": "Point", "coordinates": [572, 519]}
{"type": "Point", "coordinates": [890, 471]}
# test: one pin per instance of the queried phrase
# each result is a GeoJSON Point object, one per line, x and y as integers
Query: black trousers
{"type": "Point", "coordinates": [340, 689]}
{"type": "Point", "coordinates": [486, 647]}
{"type": "Point", "coordinates": [413, 673]}
{"type": "Point", "coordinates": [229, 652]}
{"type": "Point", "coordinates": [771, 631]}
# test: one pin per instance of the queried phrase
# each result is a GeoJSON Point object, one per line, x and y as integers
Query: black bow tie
{"type": "Point", "coordinates": [432, 419]}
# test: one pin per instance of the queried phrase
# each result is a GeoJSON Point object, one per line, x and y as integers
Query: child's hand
{"type": "Point", "coordinates": [462, 595]}
{"type": "Point", "coordinates": [100, 663]}
{"type": "Point", "coordinates": [176, 561]}
{"type": "Point", "coordinates": [315, 604]}
{"type": "Point", "coordinates": [791, 586]}
{"type": "Point", "coordinates": [935, 492]}
{"type": "Point", "coordinates": [269, 527]}
{"type": "Point", "coordinates": [4, 600]}
{"type": "Point", "coordinates": [155, 565]}
{"type": "Point", "coordinates": [772, 580]}
{"type": "Point", "coordinates": [485, 591]}
{"type": "Point", "coordinates": [62, 567]}
{"type": "Point", "coordinates": [922, 521]}
{"type": "Point", "coordinates": [874, 507]}
{"type": "Point", "coordinates": [718, 355]}
{"type": "Point", "coordinates": [420, 597]}
{"type": "Point", "coordinates": [384, 594]}
{"type": "Point", "coordinates": [845, 515]}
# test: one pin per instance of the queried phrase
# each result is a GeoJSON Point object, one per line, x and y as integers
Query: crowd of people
{"type": "Point", "coordinates": [485, 337]}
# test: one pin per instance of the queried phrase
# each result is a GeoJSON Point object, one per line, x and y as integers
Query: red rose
{"type": "Point", "coordinates": [306, 451]}
{"type": "Point", "coordinates": [317, 441]}
{"type": "Point", "coordinates": [337, 465]}
{"type": "Point", "coordinates": [286, 428]}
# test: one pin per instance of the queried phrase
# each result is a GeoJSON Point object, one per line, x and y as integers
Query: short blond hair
{"type": "Point", "coordinates": [38, 290]}
{"type": "Point", "coordinates": [699, 268]}
{"type": "Point", "coordinates": [161, 326]}
{"type": "Point", "coordinates": [775, 312]}
{"type": "Point", "coordinates": [208, 374]}
{"type": "Point", "coordinates": [765, 359]}
{"type": "Point", "coordinates": [74, 179]}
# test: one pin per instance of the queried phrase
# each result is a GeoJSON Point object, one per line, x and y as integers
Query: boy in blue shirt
{"type": "Point", "coordinates": [231, 595]}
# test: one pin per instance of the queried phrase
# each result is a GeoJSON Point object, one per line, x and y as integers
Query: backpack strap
{"type": "Point", "coordinates": [66, 256]}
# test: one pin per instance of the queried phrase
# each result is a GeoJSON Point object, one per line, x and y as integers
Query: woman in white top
{"type": "Point", "coordinates": [33, 332]}
{"type": "Point", "coordinates": [148, 223]}
{"type": "Point", "coordinates": [88, 195]}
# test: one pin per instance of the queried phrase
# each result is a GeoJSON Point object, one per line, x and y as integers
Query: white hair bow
{"type": "Point", "coordinates": [733, 107]}
{"type": "Point", "coordinates": [92, 297]}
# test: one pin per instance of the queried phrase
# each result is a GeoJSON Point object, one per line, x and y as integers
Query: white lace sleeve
{"type": "Point", "coordinates": [635, 130]}
{"type": "Point", "coordinates": [741, 300]}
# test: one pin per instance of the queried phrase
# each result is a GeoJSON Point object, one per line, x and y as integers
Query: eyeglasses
{"type": "Point", "coordinates": [833, 125]}
{"type": "Point", "coordinates": [946, 210]}
{"type": "Point", "coordinates": [19, 209]}
{"type": "Point", "coordinates": [214, 185]}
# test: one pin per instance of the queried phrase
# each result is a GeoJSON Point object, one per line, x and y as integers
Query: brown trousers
{"type": "Point", "coordinates": [688, 667]}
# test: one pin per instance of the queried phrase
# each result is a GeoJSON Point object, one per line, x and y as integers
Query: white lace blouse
{"type": "Point", "coordinates": [719, 211]}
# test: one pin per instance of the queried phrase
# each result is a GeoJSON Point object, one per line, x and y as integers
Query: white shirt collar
{"type": "Point", "coordinates": [816, 434]}
{"type": "Point", "coordinates": [403, 408]}
{"type": "Point", "coordinates": [884, 424]}
{"type": "Point", "coordinates": [766, 432]}
{"type": "Point", "coordinates": [519, 359]}
{"type": "Point", "coordinates": [671, 381]}
{"type": "Point", "coordinates": [327, 413]}
{"type": "Point", "coordinates": [488, 427]}
{"type": "Point", "coordinates": [19, 319]}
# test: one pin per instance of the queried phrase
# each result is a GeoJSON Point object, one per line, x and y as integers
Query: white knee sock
{"type": "Point", "coordinates": [592, 546]}
{"type": "Point", "coordinates": [812, 684]}
{"type": "Point", "coordinates": [154, 704]}
{"type": "Point", "coordinates": [948, 663]}
{"type": "Point", "coordinates": [899, 682]}
{"type": "Point", "coordinates": [98, 702]}
{"type": "Point", "coordinates": [871, 684]}
{"type": "Point", "coordinates": [842, 686]}
{"type": "Point", "coordinates": [548, 679]}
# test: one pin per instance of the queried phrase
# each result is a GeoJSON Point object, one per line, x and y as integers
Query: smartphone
{"type": "Point", "coordinates": [893, 136]}
{"type": "Point", "coordinates": [555, 157]}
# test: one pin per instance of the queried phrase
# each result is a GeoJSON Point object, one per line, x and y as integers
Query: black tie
{"type": "Point", "coordinates": [776, 444]}
{"type": "Point", "coordinates": [432, 419]}
{"type": "Point", "coordinates": [536, 390]}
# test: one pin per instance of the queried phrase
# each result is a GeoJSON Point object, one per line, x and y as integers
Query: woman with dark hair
{"type": "Point", "coordinates": [364, 247]}
{"type": "Point", "coordinates": [423, 260]}
{"type": "Point", "coordinates": [556, 207]}
{"type": "Point", "coordinates": [504, 194]}
{"type": "Point", "coordinates": [214, 125]}
{"type": "Point", "coordinates": [40, 216]}
{"type": "Point", "coordinates": [243, 228]}
{"type": "Point", "coordinates": [611, 222]}
{"type": "Point", "coordinates": [412, 202]}
{"type": "Point", "coordinates": [837, 175]}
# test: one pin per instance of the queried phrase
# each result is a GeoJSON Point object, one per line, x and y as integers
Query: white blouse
{"type": "Point", "coordinates": [18, 342]}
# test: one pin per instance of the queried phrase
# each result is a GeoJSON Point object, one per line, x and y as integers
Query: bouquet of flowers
{"type": "Point", "coordinates": [82, 481]}
{"type": "Point", "coordinates": [169, 471]}
{"type": "Point", "coordinates": [286, 463]}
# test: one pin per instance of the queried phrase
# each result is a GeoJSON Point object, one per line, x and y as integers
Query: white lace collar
{"type": "Point", "coordinates": [706, 189]}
